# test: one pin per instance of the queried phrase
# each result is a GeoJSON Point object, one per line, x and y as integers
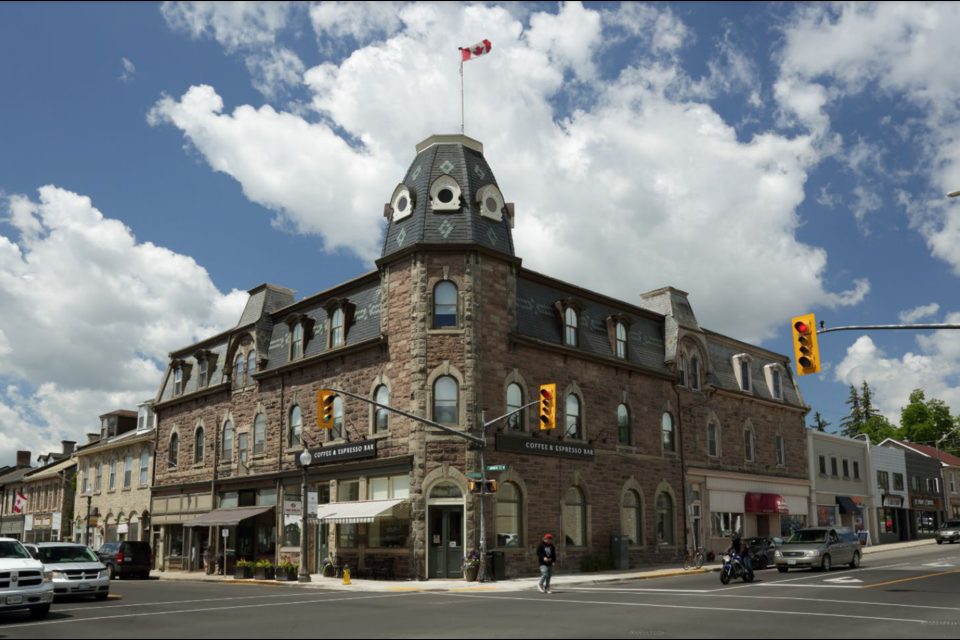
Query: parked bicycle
{"type": "Point", "coordinates": [694, 559]}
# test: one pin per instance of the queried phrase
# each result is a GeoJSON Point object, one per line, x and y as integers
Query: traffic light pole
{"type": "Point", "coordinates": [482, 441]}
{"type": "Point", "coordinates": [891, 327]}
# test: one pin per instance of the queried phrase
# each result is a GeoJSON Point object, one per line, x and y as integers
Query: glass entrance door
{"type": "Point", "coordinates": [446, 542]}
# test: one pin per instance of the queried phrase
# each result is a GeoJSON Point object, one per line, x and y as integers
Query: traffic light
{"type": "Point", "coordinates": [548, 407]}
{"type": "Point", "coordinates": [805, 344]}
{"type": "Point", "coordinates": [475, 486]}
{"type": "Point", "coordinates": [325, 400]}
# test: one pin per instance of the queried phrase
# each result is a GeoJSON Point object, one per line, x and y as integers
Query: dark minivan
{"type": "Point", "coordinates": [124, 559]}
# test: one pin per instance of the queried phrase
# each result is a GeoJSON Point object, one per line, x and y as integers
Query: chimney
{"type": "Point", "coordinates": [23, 458]}
{"type": "Point", "coordinates": [68, 447]}
{"type": "Point", "coordinates": [93, 438]}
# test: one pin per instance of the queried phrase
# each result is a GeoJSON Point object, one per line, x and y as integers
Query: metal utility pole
{"type": "Point", "coordinates": [891, 327]}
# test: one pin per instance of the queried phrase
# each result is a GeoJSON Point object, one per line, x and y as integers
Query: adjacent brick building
{"type": "Point", "coordinates": [667, 432]}
{"type": "Point", "coordinates": [49, 491]}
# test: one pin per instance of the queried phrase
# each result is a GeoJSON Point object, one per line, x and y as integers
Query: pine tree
{"type": "Point", "coordinates": [853, 423]}
{"type": "Point", "coordinates": [819, 423]}
{"type": "Point", "coordinates": [866, 403]}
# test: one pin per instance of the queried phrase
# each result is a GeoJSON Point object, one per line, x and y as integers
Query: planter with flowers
{"type": "Point", "coordinates": [471, 566]}
{"type": "Point", "coordinates": [243, 570]}
{"type": "Point", "coordinates": [265, 570]}
{"type": "Point", "coordinates": [287, 571]}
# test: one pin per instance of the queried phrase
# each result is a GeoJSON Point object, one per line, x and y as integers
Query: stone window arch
{"type": "Point", "coordinates": [446, 297]}
{"type": "Point", "coordinates": [666, 521]}
{"type": "Point", "coordinates": [575, 517]}
{"type": "Point", "coordinates": [574, 413]}
{"type": "Point", "coordinates": [380, 418]}
{"type": "Point", "coordinates": [668, 432]}
{"type": "Point", "coordinates": [229, 432]}
{"type": "Point", "coordinates": [633, 515]}
{"type": "Point", "coordinates": [199, 444]}
{"type": "Point", "coordinates": [295, 437]}
{"type": "Point", "coordinates": [260, 434]}
{"type": "Point", "coordinates": [173, 454]}
{"type": "Point", "coordinates": [446, 370]}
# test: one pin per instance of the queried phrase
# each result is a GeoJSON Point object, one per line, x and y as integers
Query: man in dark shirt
{"type": "Point", "coordinates": [739, 547]}
{"type": "Point", "coordinates": [546, 557]}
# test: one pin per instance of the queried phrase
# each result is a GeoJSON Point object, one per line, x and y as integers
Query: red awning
{"type": "Point", "coordinates": [766, 503]}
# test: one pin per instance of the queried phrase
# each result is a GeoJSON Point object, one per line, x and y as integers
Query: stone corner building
{"type": "Point", "coordinates": [451, 325]}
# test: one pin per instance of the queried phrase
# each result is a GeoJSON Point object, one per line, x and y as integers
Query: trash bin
{"type": "Point", "coordinates": [620, 550]}
{"type": "Point", "coordinates": [497, 565]}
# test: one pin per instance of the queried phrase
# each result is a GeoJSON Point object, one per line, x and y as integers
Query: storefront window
{"type": "Point", "coordinates": [267, 497]}
{"type": "Point", "coordinates": [574, 518]}
{"type": "Point", "coordinates": [927, 521]}
{"type": "Point", "coordinates": [791, 524]}
{"type": "Point", "coordinates": [725, 523]}
{"type": "Point", "coordinates": [229, 500]}
{"type": "Point", "coordinates": [388, 534]}
{"type": "Point", "coordinates": [508, 516]}
{"type": "Point", "coordinates": [826, 516]}
{"type": "Point", "coordinates": [266, 534]}
{"type": "Point", "coordinates": [347, 535]}
{"type": "Point", "coordinates": [888, 521]}
{"type": "Point", "coordinates": [392, 488]}
{"type": "Point", "coordinates": [665, 520]}
{"type": "Point", "coordinates": [176, 541]}
{"type": "Point", "coordinates": [348, 491]}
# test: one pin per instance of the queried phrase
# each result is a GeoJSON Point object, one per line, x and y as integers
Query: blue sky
{"type": "Point", "coordinates": [159, 159]}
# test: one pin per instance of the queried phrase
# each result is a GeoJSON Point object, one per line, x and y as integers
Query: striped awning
{"type": "Point", "coordinates": [225, 517]}
{"type": "Point", "coordinates": [363, 512]}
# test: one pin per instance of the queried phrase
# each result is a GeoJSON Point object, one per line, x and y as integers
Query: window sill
{"type": "Point", "coordinates": [383, 435]}
{"type": "Point", "coordinates": [445, 332]}
{"type": "Point", "coordinates": [198, 465]}
{"type": "Point", "coordinates": [627, 448]}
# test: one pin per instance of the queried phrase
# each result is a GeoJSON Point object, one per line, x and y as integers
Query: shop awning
{"type": "Point", "coordinates": [768, 503]}
{"type": "Point", "coordinates": [848, 506]}
{"type": "Point", "coordinates": [363, 512]}
{"type": "Point", "coordinates": [226, 517]}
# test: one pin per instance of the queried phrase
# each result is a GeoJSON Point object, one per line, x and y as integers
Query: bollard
{"type": "Point", "coordinates": [346, 574]}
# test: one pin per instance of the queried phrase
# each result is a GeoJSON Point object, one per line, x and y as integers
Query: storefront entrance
{"type": "Point", "coordinates": [446, 542]}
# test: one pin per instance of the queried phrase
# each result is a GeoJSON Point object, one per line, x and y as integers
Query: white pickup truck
{"type": "Point", "coordinates": [23, 582]}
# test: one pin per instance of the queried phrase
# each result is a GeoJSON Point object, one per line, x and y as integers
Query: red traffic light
{"type": "Point", "coordinates": [802, 327]}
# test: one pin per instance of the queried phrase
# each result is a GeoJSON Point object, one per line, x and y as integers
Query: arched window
{"type": "Point", "coordinates": [260, 435]}
{"type": "Point", "coordinates": [174, 456]}
{"type": "Point", "coordinates": [383, 416]}
{"type": "Point", "coordinates": [574, 518]}
{"type": "Point", "coordinates": [508, 516]}
{"type": "Point", "coordinates": [198, 445]}
{"type": "Point", "coordinates": [445, 306]}
{"type": "Point", "coordinates": [669, 434]}
{"type": "Point", "coordinates": [571, 325]}
{"type": "Point", "coordinates": [749, 454]}
{"type": "Point", "coordinates": [296, 426]}
{"type": "Point", "coordinates": [683, 371]}
{"type": "Point", "coordinates": [336, 328]}
{"type": "Point", "coordinates": [574, 423]}
{"type": "Point", "coordinates": [514, 402]}
{"type": "Point", "coordinates": [621, 341]}
{"type": "Point", "coordinates": [665, 520]}
{"type": "Point", "coordinates": [238, 376]}
{"type": "Point", "coordinates": [631, 518]}
{"type": "Point", "coordinates": [623, 424]}
{"type": "Point", "coordinates": [178, 381]}
{"type": "Point", "coordinates": [695, 374]}
{"type": "Point", "coordinates": [446, 491]}
{"type": "Point", "coordinates": [336, 432]}
{"type": "Point", "coordinates": [228, 441]}
{"type": "Point", "coordinates": [713, 440]}
{"type": "Point", "coordinates": [296, 345]}
{"type": "Point", "coordinates": [446, 405]}
{"type": "Point", "coordinates": [251, 367]}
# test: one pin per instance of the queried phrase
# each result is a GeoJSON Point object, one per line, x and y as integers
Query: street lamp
{"type": "Point", "coordinates": [305, 459]}
{"type": "Point", "coordinates": [89, 494]}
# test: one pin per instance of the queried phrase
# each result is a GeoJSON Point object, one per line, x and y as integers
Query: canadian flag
{"type": "Point", "coordinates": [19, 503]}
{"type": "Point", "coordinates": [477, 50]}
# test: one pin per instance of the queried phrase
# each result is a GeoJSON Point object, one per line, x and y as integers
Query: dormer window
{"type": "Point", "coordinates": [445, 194]}
{"type": "Point", "coordinates": [695, 373]}
{"type": "Point", "coordinates": [336, 328]}
{"type": "Point", "coordinates": [296, 346]}
{"type": "Point", "coordinates": [340, 316]}
{"type": "Point", "coordinates": [301, 328]}
{"type": "Point", "coordinates": [402, 203]}
{"type": "Point", "coordinates": [203, 374]}
{"type": "Point", "coordinates": [741, 368]}
{"type": "Point", "coordinates": [251, 366]}
{"type": "Point", "coordinates": [491, 202]}
{"type": "Point", "coordinates": [618, 330]}
{"type": "Point", "coordinates": [238, 374]}
{"type": "Point", "coordinates": [571, 325]}
{"type": "Point", "coordinates": [178, 381]}
{"type": "Point", "coordinates": [774, 376]}
{"type": "Point", "coordinates": [683, 370]}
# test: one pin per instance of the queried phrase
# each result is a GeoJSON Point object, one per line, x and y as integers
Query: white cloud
{"type": "Point", "coordinates": [234, 25]}
{"type": "Point", "coordinates": [362, 21]}
{"type": "Point", "coordinates": [936, 370]}
{"type": "Point", "coordinates": [88, 314]}
{"type": "Point", "coordinates": [896, 49]}
{"type": "Point", "coordinates": [866, 201]}
{"type": "Point", "coordinates": [633, 173]}
{"type": "Point", "coordinates": [919, 313]}
{"type": "Point", "coordinates": [275, 71]}
{"type": "Point", "coordinates": [129, 71]}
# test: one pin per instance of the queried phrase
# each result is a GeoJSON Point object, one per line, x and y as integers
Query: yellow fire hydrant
{"type": "Point", "coordinates": [346, 575]}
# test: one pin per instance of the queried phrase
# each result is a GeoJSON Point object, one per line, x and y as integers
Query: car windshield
{"type": "Point", "coordinates": [12, 549]}
{"type": "Point", "coordinates": [807, 537]}
{"type": "Point", "coordinates": [754, 544]}
{"type": "Point", "coordinates": [60, 555]}
{"type": "Point", "coordinates": [951, 524]}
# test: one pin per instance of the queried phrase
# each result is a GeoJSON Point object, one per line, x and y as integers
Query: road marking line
{"type": "Point", "coordinates": [932, 575]}
{"type": "Point", "coordinates": [738, 612]}
{"type": "Point", "coordinates": [158, 604]}
{"type": "Point", "coordinates": [711, 594]}
{"type": "Point", "coordinates": [187, 611]}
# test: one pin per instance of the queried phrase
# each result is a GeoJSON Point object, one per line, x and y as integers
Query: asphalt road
{"type": "Point", "coordinates": [894, 595]}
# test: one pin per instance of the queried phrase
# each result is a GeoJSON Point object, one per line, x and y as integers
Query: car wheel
{"type": "Point", "coordinates": [855, 564]}
{"type": "Point", "coordinates": [826, 566]}
{"type": "Point", "coordinates": [110, 574]}
{"type": "Point", "coordinates": [40, 611]}
{"type": "Point", "coordinates": [782, 569]}
{"type": "Point", "coordinates": [939, 541]}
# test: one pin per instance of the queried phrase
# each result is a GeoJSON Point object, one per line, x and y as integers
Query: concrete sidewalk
{"type": "Point", "coordinates": [387, 586]}
{"type": "Point", "coordinates": [900, 546]}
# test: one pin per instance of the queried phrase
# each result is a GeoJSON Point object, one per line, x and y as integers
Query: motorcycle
{"type": "Point", "coordinates": [734, 569]}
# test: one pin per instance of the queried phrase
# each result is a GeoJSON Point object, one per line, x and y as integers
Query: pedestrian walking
{"type": "Point", "coordinates": [546, 557]}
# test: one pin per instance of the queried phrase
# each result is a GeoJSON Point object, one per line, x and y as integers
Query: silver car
{"type": "Point", "coordinates": [75, 569]}
{"type": "Point", "coordinates": [819, 548]}
{"type": "Point", "coordinates": [949, 532]}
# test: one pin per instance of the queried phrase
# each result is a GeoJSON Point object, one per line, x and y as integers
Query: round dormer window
{"type": "Point", "coordinates": [492, 205]}
{"type": "Point", "coordinates": [445, 196]}
{"type": "Point", "coordinates": [402, 203]}
{"type": "Point", "coordinates": [491, 202]}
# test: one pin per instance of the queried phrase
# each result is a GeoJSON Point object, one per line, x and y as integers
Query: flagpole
{"type": "Point", "coordinates": [461, 95]}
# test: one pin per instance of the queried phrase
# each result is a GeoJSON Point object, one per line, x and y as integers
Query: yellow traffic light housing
{"type": "Point", "coordinates": [548, 407]}
{"type": "Point", "coordinates": [804, 330]}
{"type": "Point", "coordinates": [325, 400]}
